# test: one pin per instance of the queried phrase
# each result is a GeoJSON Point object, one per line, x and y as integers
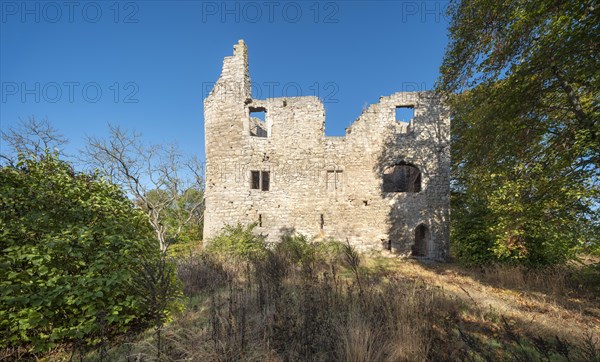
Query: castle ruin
{"type": "Point", "coordinates": [384, 185]}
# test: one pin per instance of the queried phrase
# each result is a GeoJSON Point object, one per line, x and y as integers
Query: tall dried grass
{"type": "Point", "coordinates": [309, 302]}
{"type": "Point", "coordinates": [302, 309]}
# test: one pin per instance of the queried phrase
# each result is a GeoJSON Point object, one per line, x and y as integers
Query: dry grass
{"type": "Point", "coordinates": [273, 310]}
{"type": "Point", "coordinates": [348, 309]}
{"type": "Point", "coordinates": [387, 310]}
{"type": "Point", "coordinates": [555, 302]}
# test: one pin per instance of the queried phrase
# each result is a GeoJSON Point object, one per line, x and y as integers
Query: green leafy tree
{"type": "Point", "coordinates": [523, 82]}
{"type": "Point", "coordinates": [72, 252]}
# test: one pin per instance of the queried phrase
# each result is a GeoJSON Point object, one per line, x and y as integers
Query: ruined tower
{"type": "Point", "coordinates": [384, 185]}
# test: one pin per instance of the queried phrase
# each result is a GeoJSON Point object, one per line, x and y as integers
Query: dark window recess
{"type": "Point", "coordinates": [265, 175]}
{"type": "Point", "coordinates": [260, 180]}
{"type": "Point", "coordinates": [259, 220]}
{"type": "Point", "coordinates": [258, 124]}
{"type": "Point", "coordinates": [402, 178]}
{"type": "Point", "coordinates": [322, 222]}
{"type": "Point", "coordinates": [255, 180]}
{"type": "Point", "coordinates": [405, 113]}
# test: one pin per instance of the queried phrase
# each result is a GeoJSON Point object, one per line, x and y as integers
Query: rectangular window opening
{"type": "Point", "coordinates": [258, 123]}
{"type": "Point", "coordinates": [322, 222]}
{"type": "Point", "coordinates": [255, 182]}
{"type": "Point", "coordinates": [405, 113]}
{"type": "Point", "coordinates": [259, 220]}
{"type": "Point", "coordinates": [260, 180]}
{"type": "Point", "coordinates": [265, 175]}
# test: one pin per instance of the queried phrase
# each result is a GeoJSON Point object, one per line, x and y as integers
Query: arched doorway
{"type": "Point", "coordinates": [421, 246]}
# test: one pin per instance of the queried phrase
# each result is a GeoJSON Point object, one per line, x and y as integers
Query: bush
{"type": "Point", "coordinates": [296, 249]}
{"type": "Point", "coordinates": [472, 243]}
{"type": "Point", "coordinates": [238, 242]}
{"type": "Point", "coordinates": [71, 248]}
{"type": "Point", "coordinates": [299, 250]}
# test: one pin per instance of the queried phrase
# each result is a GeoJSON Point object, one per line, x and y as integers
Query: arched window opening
{"type": "Point", "coordinates": [402, 178]}
{"type": "Point", "coordinates": [420, 248]}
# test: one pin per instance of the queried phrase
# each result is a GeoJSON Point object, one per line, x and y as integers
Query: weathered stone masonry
{"type": "Point", "coordinates": [384, 185]}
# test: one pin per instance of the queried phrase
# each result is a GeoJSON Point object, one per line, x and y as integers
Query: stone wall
{"type": "Point", "coordinates": [326, 187]}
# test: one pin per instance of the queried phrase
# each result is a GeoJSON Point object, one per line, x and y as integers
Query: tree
{"type": "Point", "coordinates": [168, 188]}
{"type": "Point", "coordinates": [30, 137]}
{"type": "Point", "coordinates": [523, 83]}
{"type": "Point", "coordinates": [181, 234]}
{"type": "Point", "coordinates": [72, 252]}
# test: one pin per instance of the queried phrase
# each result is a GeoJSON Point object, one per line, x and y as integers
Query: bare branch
{"type": "Point", "coordinates": [154, 176]}
{"type": "Point", "coordinates": [31, 137]}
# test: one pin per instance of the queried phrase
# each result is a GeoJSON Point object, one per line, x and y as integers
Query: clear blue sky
{"type": "Point", "coordinates": [154, 61]}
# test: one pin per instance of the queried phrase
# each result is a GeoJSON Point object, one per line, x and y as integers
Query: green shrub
{"type": "Point", "coordinates": [296, 249]}
{"type": "Point", "coordinates": [71, 246]}
{"type": "Point", "coordinates": [330, 251]}
{"type": "Point", "coordinates": [238, 242]}
{"type": "Point", "coordinates": [471, 241]}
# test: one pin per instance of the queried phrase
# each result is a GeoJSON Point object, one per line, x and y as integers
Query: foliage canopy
{"type": "Point", "coordinates": [71, 250]}
{"type": "Point", "coordinates": [523, 83]}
